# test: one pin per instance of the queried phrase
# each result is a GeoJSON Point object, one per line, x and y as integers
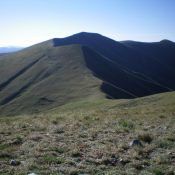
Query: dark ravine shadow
{"type": "Point", "coordinates": [117, 82]}
{"type": "Point", "coordinates": [18, 92]}
{"type": "Point", "coordinates": [20, 72]}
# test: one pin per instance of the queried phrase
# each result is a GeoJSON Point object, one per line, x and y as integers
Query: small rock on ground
{"type": "Point", "coordinates": [135, 142]}
{"type": "Point", "coordinates": [15, 162]}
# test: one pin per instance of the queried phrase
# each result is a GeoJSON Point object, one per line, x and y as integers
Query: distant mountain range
{"type": "Point", "coordinates": [81, 67]}
{"type": "Point", "coordinates": [10, 49]}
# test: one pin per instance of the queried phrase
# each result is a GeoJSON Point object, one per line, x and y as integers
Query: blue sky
{"type": "Point", "coordinates": [26, 22]}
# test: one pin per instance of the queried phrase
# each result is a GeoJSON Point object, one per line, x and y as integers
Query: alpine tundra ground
{"type": "Point", "coordinates": [92, 138]}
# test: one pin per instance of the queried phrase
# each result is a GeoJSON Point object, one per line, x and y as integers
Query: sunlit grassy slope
{"type": "Point", "coordinates": [92, 137]}
{"type": "Point", "coordinates": [45, 79]}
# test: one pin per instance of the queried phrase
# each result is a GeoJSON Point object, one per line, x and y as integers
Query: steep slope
{"type": "Point", "coordinates": [152, 61]}
{"type": "Point", "coordinates": [46, 79]}
{"type": "Point", "coordinates": [117, 81]}
{"type": "Point", "coordinates": [163, 51]}
{"type": "Point", "coordinates": [161, 56]}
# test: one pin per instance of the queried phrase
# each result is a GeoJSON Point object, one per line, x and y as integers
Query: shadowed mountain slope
{"type": "Point", "coordinates": [117, 79]}
{"type": "Point", "coordinates": [81, 67]}
{"type": "Point", "coordinates": [153, 61]}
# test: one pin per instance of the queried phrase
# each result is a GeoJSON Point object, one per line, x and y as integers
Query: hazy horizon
{"type": "Point", "coordinates": [24, 23]}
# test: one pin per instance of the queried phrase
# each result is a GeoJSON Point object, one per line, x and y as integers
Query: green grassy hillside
{"type": "Point", "coordinates": [45, 79]}
{"type": "Point", "coordinates": [92, 137]}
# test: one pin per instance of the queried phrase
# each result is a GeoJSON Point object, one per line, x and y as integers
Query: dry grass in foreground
{"type": "Point", "coordinates": [92, 138]}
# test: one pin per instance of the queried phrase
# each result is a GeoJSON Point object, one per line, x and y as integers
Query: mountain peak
{"type": "Point", "coordinates": [80, 35]}
{"type": "Point", "coordinates": [86, 39]}
{"type": "Point", "coordinates": [88, 33]}
{"type": "Point", "coordinates": [166, 41]}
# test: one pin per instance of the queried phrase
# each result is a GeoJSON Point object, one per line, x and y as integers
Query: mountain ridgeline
{"type": "Point", "coordinates": [81, 67]}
